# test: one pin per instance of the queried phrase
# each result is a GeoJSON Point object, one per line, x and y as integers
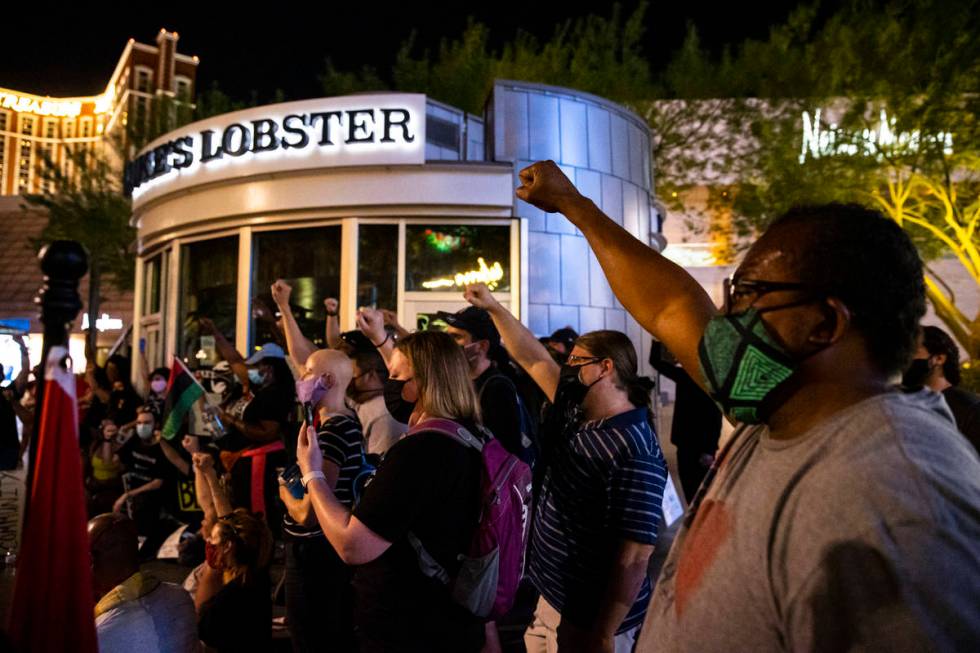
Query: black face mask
{"type": "Point", "coordinates": [917, 373]}
{"type": "Point", "coordinates": [571, 387]}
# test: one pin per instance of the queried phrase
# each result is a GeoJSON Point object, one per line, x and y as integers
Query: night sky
{"type": "Point", "coordinates": [74, 50]}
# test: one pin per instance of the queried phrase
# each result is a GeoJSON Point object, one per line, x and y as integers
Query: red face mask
{"type": "Point", "coordinates": [213, 556]}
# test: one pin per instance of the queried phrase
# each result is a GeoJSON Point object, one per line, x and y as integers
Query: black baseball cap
{"type": "Point", "coordinates": [357, 340]}
{"type": "Point", "coordinates": [566, 336]}
{"type": "Point", "coordinates": [475, 321]}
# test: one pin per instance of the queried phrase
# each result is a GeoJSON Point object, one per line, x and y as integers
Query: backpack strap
{"type": "Point", "coordinates": [448, 428]}
{"type": "Point", "coordinates": [427, 564]}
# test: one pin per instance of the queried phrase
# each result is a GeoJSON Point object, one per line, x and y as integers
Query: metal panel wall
{"type": "Point", "coordinates": [604, 149]}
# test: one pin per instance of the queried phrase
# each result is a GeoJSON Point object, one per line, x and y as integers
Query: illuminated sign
{"type": "Point", "coordinates": [345, 131]}
{"type": "Point", "coordinates": [40, 106]}
{"type": "Point", "coordinates": [490, 275]}
{"type": "Point", "coordinates": [104, 323]}
{"type": "Point", "coordinates": [819, 141]}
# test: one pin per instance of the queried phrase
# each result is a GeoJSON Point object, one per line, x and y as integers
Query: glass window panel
{"type": "Point", "coordinates": [377, 266]}
{"type": "Point", "coordinates": [208, 288]}
{"type": "Point", "coordinates": [445, 257]}
{"type": "Point", "coordinates": [309, 260]}
{"type": "Point", "coordinates": [152, 275]}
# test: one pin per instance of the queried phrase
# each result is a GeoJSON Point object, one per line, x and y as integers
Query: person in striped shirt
{"type": "Point", "coordinates": [319, 597]}
{"type": "Point", "coordinates": [599, 501]}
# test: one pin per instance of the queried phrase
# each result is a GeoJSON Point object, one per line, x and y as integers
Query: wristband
{"type": "Point", "coordinates": [310, 476]}
{"type": "Point", "coordinates": [381, 344]}
{"type": "Point", "coordinates": [332, 314]}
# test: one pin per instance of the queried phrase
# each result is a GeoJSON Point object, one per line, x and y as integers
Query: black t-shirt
{"type": "Point", "coordinates": [145, 463]}
{"type": "Point", "coordinates": [122, 405]}
{"type": "Point", "coordinates": [8, 422]}
{"type": "Point", "coordinates": [238, 617]}
{"type": "Point", "coordinates": [428, 484]}
{"type": "Point", "coordinates": [500, 408]}
{"type": "Point", "coordinates": [966, 410]}
{"type": "Point", "coordinates": [273, 402]}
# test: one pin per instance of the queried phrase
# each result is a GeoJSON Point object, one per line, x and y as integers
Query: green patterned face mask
{"type": "Point", "coordinates": [742, 364]}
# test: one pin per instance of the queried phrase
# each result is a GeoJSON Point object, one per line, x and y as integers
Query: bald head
{"type": "Point", "coordinates": [334, 366]}
{"type": "Point", "coordinates": [114, 544]}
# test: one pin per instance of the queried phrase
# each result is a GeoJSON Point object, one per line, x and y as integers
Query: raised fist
{"type": "Point", "coordinates": [371, 323]}
{"type": "Point", "coordinates": [544, 185]}
{"type": "Point", "coordinates": [280, 293]}
{"type": "Point", "coordinates": [332, 305]}
{"type": "Point", "coordinates": [479, 295]}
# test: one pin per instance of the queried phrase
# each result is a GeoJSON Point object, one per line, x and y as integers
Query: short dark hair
{"type": "Point", "coordinates": [868, 262]}
{"type": "Point", "coordinates": [936, 341]}
{"type": "Point", "coordinates": [371, 361]}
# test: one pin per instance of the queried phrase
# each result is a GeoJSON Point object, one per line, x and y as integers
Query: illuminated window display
{"type": "Point", "coordinates": [209, 284]}
{"type": "Point", "coordinates": [390, 201]}
{"type": "Point", "coordinates": [448, 257]}
{"type": "Point", "coordinates": [309, 261]}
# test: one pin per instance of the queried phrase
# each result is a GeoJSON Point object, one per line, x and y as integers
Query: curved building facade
{"type": "Point", "coordinates": [389, 200]}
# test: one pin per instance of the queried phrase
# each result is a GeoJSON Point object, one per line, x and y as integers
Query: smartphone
{"type": "Point", "coordinates": [292, 477]}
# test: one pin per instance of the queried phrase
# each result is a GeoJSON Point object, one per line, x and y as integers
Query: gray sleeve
{"type": "Point", "coordinates": [907, 589]}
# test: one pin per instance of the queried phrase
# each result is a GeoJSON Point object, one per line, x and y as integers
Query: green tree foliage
{"type": "Point", "coordinates": [915, 63]}
{"type": "Point", "coordinates": [601, 55]}
{"type": "Point", "coordinates": [87, 205]}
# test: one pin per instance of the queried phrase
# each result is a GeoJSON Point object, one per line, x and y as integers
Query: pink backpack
{"type": "Point", "coordinates": [486, 584]}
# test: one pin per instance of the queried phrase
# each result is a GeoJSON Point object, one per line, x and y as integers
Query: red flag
{"type": "Point", "coordinates": [54, 609]}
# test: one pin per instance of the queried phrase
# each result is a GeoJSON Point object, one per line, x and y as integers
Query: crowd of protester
{"type": "Point", "coordinates": [843, 513]}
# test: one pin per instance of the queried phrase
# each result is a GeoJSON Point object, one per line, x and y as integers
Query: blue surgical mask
{"type": "Point", "coordinates": [144, 431]}
{"type": "Point", "coordinates": [255, 377]}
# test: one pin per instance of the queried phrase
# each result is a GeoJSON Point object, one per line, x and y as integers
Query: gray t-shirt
{"type": "Point", "coordinates": [861, 534]}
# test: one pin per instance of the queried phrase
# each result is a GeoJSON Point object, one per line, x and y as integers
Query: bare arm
{"type": "Point", "coordinates": [354, 542]}
{"type": "Point", "coordinates": [211, 583]}
{"type": "Point", "coordinates": [265, 431]}
{"type": "Point", "coordinates": [174, 457]}
{"type": "Point", "coordinates": [222, 504]}
{"type": "Point", "coordinates": [659, 294]}
{"type": "Point", "coordinates": [371, 323]}
{"type": "Point", "coordinates": [227, 350]}
{"type": "Point", "coordinates": [333, 322]}
{"type": "Point", "coordinates": [202, 489]}
{"type": "Point", "coordinates": [297, 344]}
{"type": "Point", "coordinates": [518, 340]}
{"type": "Point", "coordinates": [626, 577]}
{"type": "Point", "coordinates": [25, 367]}
{"type": "Point", "coordinates": [301, 510]}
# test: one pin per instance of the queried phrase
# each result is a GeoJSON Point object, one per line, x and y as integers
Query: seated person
{"type": "Point", "coordinates": [153, 469]}
{"type": "Point", "coordinates": [104, 481]}
{"type": "Point", "coordinates": [234, 597]}
{"type": "Point", "coordinates": [135, 612]}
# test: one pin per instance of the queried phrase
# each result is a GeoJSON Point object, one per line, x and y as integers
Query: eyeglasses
{"type": "Point", "coordinates": [582, 361]}
{"type": "Point", "coordinates": [745, 292]}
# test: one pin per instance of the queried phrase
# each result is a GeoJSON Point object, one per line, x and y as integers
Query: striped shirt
{"type": "Point", "coordinates": [341, 443]}
{"type": "Point", "coordinates": [604, 484]}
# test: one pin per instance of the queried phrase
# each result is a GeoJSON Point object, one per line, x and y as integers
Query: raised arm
{"type": "Point", "coordinates": [226, 349]}
{"type": "Point", "coordinates": [371, 323]}
{"type": "Point", "coordinates": [518, 340]}
{"type": "Point", "coordinates": [298, 345]}
{"type": "Point", "coordinates": [25, 367]}
{"type": "Point", "coordinates": [659, 294]}
{"type": "Point", "coordinates": [332, 307]}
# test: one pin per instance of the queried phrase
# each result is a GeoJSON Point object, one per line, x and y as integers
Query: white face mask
{"type": "Point", "coordinates": [158, 385]}
{"type": "Point", "coordinates": [219, 387]}
{"type": "Point", "coordinates": [144, 431]}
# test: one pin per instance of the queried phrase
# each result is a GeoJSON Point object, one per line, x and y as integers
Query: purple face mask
{"type": "Point", "coordinates": [310, 391]}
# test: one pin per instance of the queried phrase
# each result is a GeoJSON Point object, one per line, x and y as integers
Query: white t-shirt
{"type": "Point", "coordinates": [381, 430]}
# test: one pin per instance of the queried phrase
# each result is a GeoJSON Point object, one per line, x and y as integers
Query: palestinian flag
{"type": "Point", "coordinates": [182, 391]}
